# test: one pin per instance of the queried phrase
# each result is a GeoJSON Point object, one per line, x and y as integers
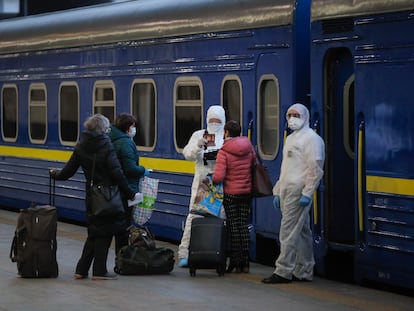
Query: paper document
{"type": "Point", "coordinates": [137, 199]}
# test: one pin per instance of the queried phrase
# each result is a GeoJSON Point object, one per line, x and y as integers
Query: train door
{"type": "Point", "coordinates": [339, 219]}
{"type": "Point", "coordinates": [267, 135]}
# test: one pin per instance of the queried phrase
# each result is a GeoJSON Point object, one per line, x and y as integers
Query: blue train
{"type": "Point", "coordinates": [167, 61]}
{"type": "Point", "coordinates": [362, 66]}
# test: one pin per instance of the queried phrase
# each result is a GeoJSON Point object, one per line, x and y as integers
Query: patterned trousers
{"type": "Point", "coordinates": [237, 208]}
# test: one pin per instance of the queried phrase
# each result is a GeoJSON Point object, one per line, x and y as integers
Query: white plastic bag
{"type": "Point", "coordinates": [142, 211]}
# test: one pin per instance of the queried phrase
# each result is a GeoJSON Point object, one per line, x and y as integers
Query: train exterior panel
{"type": "Point", "coordinates": [361, 72]}
{"type": "Point", "coordinates": [164, 61]}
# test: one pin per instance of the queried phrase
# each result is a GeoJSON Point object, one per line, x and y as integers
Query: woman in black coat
{"type": "Point", "coordinates": [95, 144]}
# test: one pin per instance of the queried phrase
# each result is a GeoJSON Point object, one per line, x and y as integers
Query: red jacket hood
{"type": "Point", "coordinates": [238, 146]}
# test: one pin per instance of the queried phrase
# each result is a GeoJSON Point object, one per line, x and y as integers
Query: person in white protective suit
{"type": "Point", "coordinates": [198, 151]}
{"type": "Point", "coordinates": [300, 174]}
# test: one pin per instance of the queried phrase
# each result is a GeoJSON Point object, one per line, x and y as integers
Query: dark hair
{"type": "Point", "coordinates": [233, 127]}
{"type": "Point", "coordinates": [124, 121]}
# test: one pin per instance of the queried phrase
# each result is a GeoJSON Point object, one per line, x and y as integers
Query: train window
{"type": "Point", "coordinates": [188, 92]}
{"type": "Point", "coordinates": [231, 98]}
{"type": "Point", "coordinates": [188, 109]}
{"type": "Point", "coordinates": [9, 113]}
{"type": "Point", "coordinates": [268, 116]}
{"type": "Point", "coordinates": [37, 113]}
{"type": "Point", "coordinates": [144, 110]}
{"type": "Point", "coordinates": [69, 113]}
{"type": "Point", "coordinates": [104, 99]}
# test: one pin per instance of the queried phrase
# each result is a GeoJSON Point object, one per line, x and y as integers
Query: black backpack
{"type": "Point", "coordinates": [141, 236]}
{"type": "Point", "coordinates": [34, 243]}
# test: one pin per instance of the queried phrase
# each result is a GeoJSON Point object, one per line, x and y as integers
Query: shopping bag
{"type": "Point", "coordinates": [142, 211]}
{"type": "Point", "coordinates": [209, 198]}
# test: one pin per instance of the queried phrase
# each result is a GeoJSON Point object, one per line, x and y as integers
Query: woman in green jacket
{"type": "Point", "coordinates": [122, 134]}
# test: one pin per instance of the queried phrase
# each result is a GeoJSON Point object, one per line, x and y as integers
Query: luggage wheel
{"type": "Point", "coordinates": [192, 272]}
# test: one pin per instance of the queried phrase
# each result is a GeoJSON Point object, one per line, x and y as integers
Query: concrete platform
{"type": "Point", "coordinates": [175, 291]}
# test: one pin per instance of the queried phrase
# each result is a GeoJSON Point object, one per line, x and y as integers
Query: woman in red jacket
{"type": "Point", "coordinates": [233, 168]}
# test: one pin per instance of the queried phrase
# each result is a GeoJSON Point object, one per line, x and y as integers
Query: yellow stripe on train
{"type": "Point", "coordinates": [168, 165]}
{"type": "Point", "coordinates": [390, 185]}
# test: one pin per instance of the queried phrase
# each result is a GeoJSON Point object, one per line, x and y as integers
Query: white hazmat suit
{"type": "Point", "coordinates": [300, 174]}
{"type": "Point", "coordinates": [194, 151]}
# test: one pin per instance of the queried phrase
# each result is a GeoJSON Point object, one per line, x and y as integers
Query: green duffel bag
{"type": "Point", "coordinates": [133, 260]}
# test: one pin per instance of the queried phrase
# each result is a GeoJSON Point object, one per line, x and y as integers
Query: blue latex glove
{"type": "Point", "coordinates": [304, 201]}
{"type": "Point", "coordinates": [147, 172]}
{"type": "Point", "coordinates": [276, 202]}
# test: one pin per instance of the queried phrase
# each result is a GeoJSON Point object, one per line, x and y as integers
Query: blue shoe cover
{"type": "Point", "coordinates": [183, 263]}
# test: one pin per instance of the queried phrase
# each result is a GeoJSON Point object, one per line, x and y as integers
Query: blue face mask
{"type": "Point", "coordinates": [132, 132]}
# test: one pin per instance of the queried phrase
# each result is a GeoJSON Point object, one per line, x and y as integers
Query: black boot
{"type": "Point", "coordinates": [275, 279]}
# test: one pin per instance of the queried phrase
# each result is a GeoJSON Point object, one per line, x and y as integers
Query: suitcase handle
{"type": "Point", "coordinates": [13, 250]}
{"type": "Point", "coordinates": [52, 190]}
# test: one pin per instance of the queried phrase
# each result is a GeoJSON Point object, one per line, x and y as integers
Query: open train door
{"type": "Point", "coordinates": [338, 215]}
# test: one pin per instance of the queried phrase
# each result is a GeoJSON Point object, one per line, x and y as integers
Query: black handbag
{"type": "Point", "coordinates": [103, 200]}
{"type": "Point", "coordinates": [261, 183]}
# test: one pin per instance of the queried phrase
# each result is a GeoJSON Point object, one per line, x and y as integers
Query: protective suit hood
{"type": "Point", "coordinates": [216, 112]}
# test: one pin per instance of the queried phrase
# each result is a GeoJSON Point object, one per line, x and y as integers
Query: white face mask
{"type": "Point", "coordinates": [295, 123]}
{"type": "Point", "coordinates": [132, 132]}
{"type": "Point", "coordinates": [214, 127]}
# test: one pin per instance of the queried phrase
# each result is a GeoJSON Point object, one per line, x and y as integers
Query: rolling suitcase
{"type": "Point", "coordinates": [207, 248]}
{"type": "Point", "coordinates": [34, 243]}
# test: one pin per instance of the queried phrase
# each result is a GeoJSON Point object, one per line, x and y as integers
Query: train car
{"type": "Point", "coordinates": [362, 68]}
{"type": "Point", "coordinates": [164, 61]}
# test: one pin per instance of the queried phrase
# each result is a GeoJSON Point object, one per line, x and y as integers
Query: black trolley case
{"type": "Point", "coordinates": [34, 243]}
{"type": "Point", "coordinates": [207, 248]}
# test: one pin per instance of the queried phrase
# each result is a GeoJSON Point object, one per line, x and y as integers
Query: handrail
{"type": "Point", "coordinates": [249, 130]}
{"type": "Point", "coordinates": [359, 176]}
{"type": "Point", "coordinates": [315, 194]}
